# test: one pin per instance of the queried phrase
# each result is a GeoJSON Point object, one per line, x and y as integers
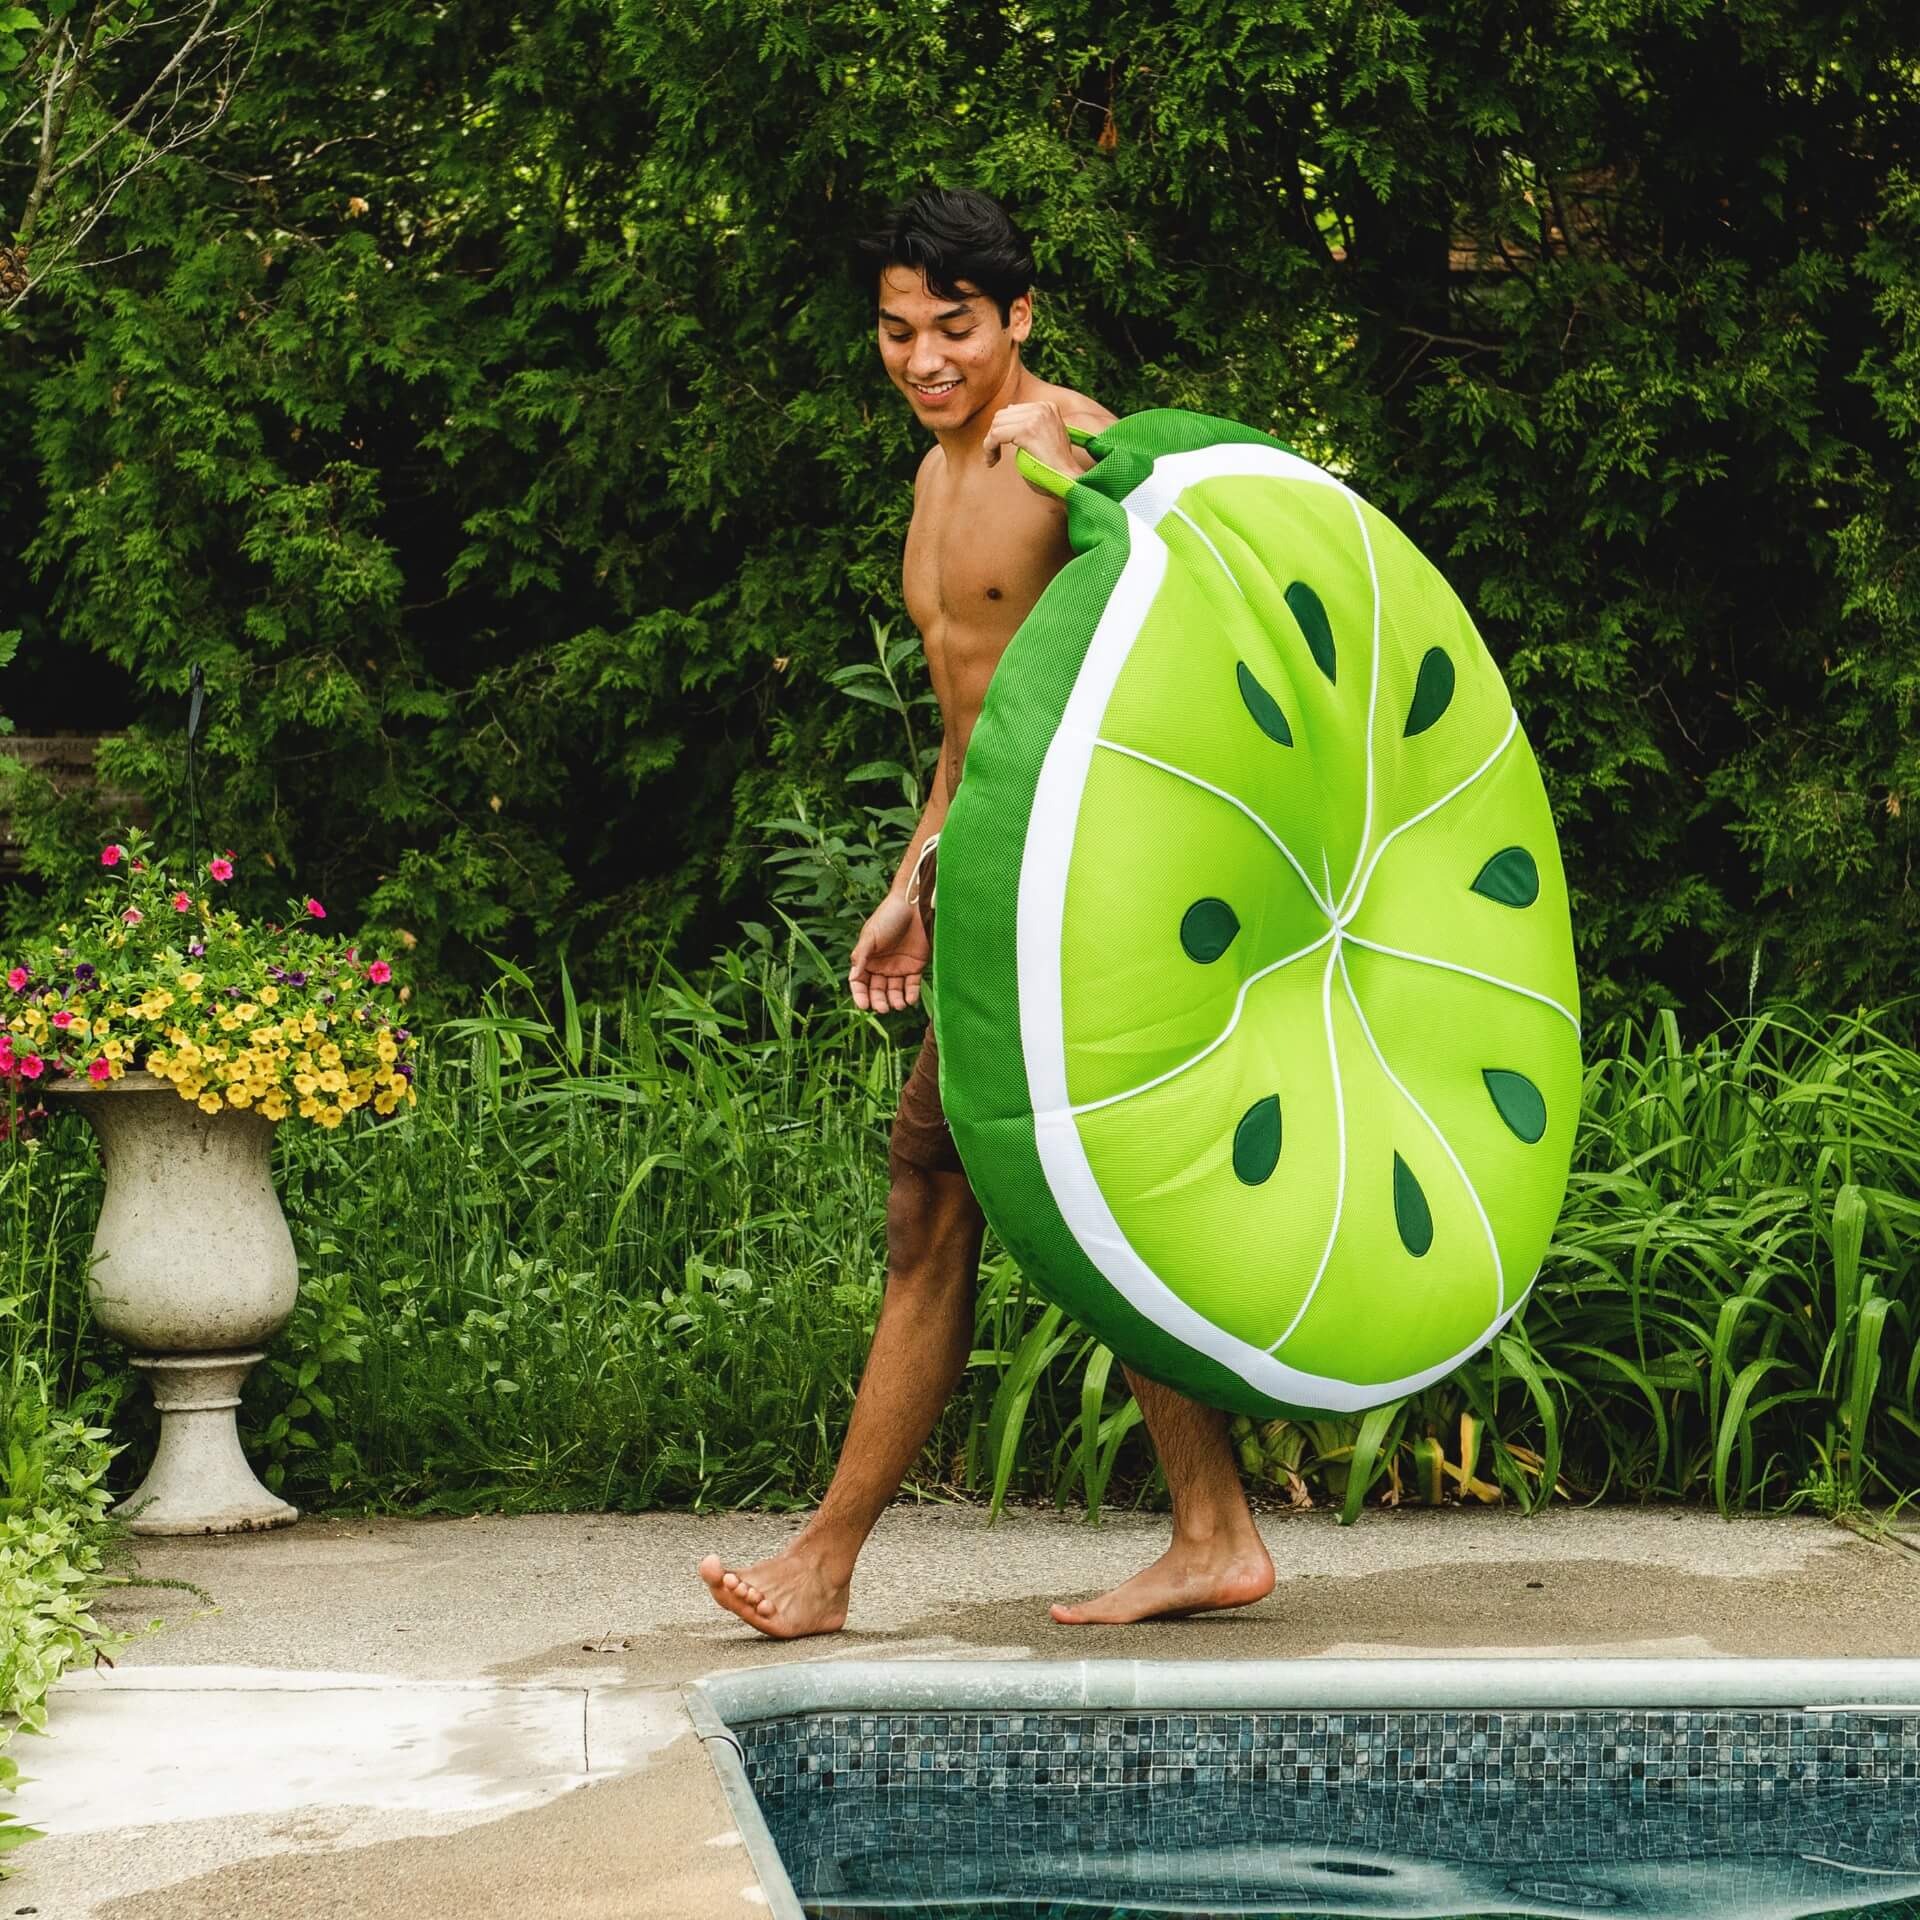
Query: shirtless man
{"type": "Point", "coordinates": [953, 281]}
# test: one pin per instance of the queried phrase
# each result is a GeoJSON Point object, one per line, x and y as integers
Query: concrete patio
{"type": "Point", "coordinates": [482, 1718]}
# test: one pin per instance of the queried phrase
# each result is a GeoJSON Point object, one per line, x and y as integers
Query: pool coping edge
{"type": "Point", "coordinates": [1318, 1685]}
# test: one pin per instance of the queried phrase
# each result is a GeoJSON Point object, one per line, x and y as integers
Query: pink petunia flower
{"type": "Point", "coordinates": [379, 973]}
{"type": "Point", "coordinates": [18, 978]}
{"type": "Point", "coordinates": [316, 909]}
{"type": "Point", "coordinates": [99, 1070]}
{"type": "Point", "coordinates": [220, 867]}
{"type": "Point", "coordinates": [133, 916]}
{"type": "Point", "coordinates": [32, 1066]}
{"type": "Point", "coordinates": [110, 856]}
{"type": "Point", "coordinates": [181, 903]}
{"type": "Point", "coordinates": [63, 1018]}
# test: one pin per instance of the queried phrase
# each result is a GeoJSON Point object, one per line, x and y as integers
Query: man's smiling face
{"type": "Point", "coordinates": [948, 353]}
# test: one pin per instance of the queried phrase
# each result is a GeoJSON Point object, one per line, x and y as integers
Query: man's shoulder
{"type": "Point", "coordinates": [1081, 410]}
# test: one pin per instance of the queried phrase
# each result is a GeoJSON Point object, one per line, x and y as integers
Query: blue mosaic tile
{"type": "Point", "coordinates": [1089, 1814]}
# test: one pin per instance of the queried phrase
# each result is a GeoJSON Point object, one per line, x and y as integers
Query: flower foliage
{"type": "Point", "coordinates": [234, 1013]}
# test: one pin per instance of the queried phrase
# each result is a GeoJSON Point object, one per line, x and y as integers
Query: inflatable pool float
{"type": "Point", "coordinates": [1259, 1031]}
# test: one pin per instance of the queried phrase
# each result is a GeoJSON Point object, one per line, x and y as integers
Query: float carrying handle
{"type": "Point", "coordinates": [1051, 478]}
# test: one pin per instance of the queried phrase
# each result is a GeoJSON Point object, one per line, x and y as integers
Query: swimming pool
{"type": "Point", "coordinates": [1116, 1790]}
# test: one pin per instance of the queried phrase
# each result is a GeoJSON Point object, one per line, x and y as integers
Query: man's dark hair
{"type": "Point", "coordinates": [951, 234]}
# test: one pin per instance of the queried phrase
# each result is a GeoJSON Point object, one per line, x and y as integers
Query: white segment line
{"type": "Point", "coordinates": [1493, 1247]}
{"type": "Point", "coordinates": [1180, 513]}
{"type": "Point", "coordinates": [1373, 689]}
{"type": "Point", "coordinates": [1472, 973]}
{"type": "Point", "coordinates": [1340, 1133]}
{"type": "Point", "coordinates": [1240, 1001]}
{"type": "Point", "coordinates": [1358, 890]}
{"type": "Point", "coordinates": [1193, 779]}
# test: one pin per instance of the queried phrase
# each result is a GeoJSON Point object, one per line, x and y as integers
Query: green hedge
{"type": "Point", "coordinates": [481, 404]}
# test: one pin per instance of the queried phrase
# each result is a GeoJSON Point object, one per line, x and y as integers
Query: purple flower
{"type": "Point", "coordinates": [196, 948]}
{"type": "Point", "coordinates": [400, 1033]}
{"type": "Point", "coordinates": [326, 999]}
{"type": "Point", "coordinates": [296, 979]}
{"type": "Point", "coordinates": [84, 973]}
{"type": "Point", "coordinates": [404, 1068]}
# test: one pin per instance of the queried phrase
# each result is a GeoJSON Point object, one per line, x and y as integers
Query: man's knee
{"type": "Point", "coordinates": [934, 1226]}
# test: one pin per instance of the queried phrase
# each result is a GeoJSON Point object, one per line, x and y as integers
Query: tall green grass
{"type": "Point", "coordinates": [631, 1257]}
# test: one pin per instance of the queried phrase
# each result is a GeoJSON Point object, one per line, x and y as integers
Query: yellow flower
{"type": "Point", "coordinates": [114, 1050]}
{"type": "Point", "coordinates": [308, 1024]}
{"type": "Point", "coordinates": [228, 1021]}
{"type": "Point", "coordinates": [387, 1050]}
{"type": "Point", "coordinates": [385, 1102]}
{"type": "Point", "coordinates": [329, 1055]}
{"type": "Point", "coordinates": [237, 1094]}
{"type": "Point", "coordinates": [329, 1117]}
{"type": "Point", "coordinates": [269, 996]}
{"type": "Point", "coordinates": [209, 1103]}
{"type": "Point", "coordinates": [274, 1106]}
{"type": "Point", "coordinates": [191, 980]}
{"type": "Point", "coordinates": [332, 1081]}
{"type": "Point", "coordinates": [305, 1084]}
{"type": "Point", "coordinates": [247, 1010]}
{"type": "Point", "coordinates": [309, 1107]}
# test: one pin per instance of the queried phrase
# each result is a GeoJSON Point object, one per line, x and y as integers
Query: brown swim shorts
{"type": "Point", "coordinates": [921, 1136]}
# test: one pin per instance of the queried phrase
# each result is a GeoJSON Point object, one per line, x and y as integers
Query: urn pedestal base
{"type": "Point", "coordinates": [200, 1481]}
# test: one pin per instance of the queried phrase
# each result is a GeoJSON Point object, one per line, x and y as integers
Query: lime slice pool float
{"type": "Point", "coordinates": [1259, 1030]}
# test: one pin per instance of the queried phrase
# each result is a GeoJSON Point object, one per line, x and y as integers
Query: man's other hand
{"type": "Point", "coordinates": [1037, 426]}
{"type": "Point", "coordinates": [889, 957]}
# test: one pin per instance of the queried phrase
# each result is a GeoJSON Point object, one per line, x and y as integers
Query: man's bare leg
{"type": "Point", "coordinates": [920, 1348]}
{"type": "Point", "coordinates": [1217, 1558]}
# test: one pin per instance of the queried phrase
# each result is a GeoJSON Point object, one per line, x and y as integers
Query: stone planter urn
{"type": "Point", "coordinates": [193, 1268]}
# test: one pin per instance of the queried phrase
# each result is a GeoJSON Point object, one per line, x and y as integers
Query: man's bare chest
{"type": "Point", "coordinates": [981, 554]}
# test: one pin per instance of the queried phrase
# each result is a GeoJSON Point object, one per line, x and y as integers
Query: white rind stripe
{"type": "Point", "coordinates": [1226, 1032]}
{"type": "Point", "coordinates": [1359, 891]}
{"type": "Point", "coordinates": [1472, 973]}
{"type": "Point", "coordinates": [1206, 786]}
{"type": "Point", "coordinates": [1446, 1147]}
{"type": "Point", "coordinates": [1340, 1134]}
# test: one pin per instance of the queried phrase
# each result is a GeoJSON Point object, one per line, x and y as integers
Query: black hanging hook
{"type": "Point", "coordinates": [196, 700]}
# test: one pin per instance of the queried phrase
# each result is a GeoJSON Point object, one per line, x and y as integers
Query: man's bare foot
{"type": "Point", "coordinates": [786, 1597]}
{"type": "Point", "coordinates": [1187, 1578]}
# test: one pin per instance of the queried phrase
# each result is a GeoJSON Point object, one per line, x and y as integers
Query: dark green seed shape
{"type": "Point", "coordinates": [1510, 877]}
{"type": "Point", "coordinates": [1519, 1101]}
{"type": "Point", "coordinates": [1207, 929]}
{"type": "Point", "coordinates": [1256, 1141]}
{"type": "Point", "coordinates": [1432, 692]}
{"type": "Point", "coordinates": [1312, 616]}
{"type": "Point", "coordinates": [1410, 1211]}
{"type": "Point", "coordinates": [1263, 706]}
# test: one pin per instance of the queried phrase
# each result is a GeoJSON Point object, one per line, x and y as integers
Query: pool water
{"type": "Point", "coordinates": [1740, 1815]}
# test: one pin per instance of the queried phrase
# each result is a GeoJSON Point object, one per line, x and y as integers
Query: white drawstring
{"type": "Point", "coordinates": [913, 879]}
